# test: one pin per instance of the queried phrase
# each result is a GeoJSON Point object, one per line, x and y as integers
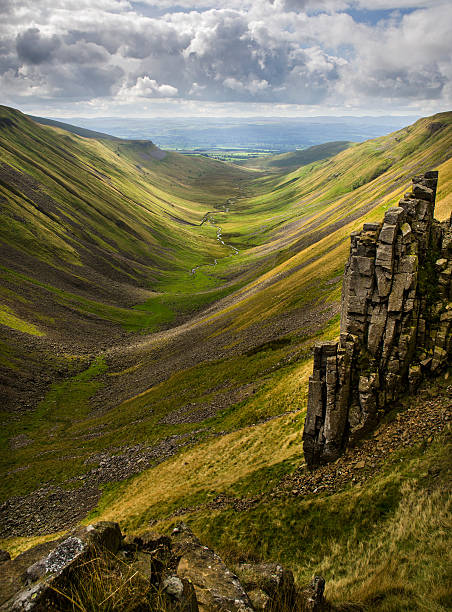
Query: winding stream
{"type": "Point", "coordinates": [212, 222]}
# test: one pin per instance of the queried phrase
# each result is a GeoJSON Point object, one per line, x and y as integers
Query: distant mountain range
{"type": "Point", "coordinates": [278, 134]}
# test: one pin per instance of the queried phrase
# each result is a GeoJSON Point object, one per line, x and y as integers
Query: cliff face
{"type": "Point", "coordinates": [395, 323]}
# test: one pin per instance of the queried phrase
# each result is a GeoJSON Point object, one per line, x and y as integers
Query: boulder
{"type": "Point", "coordinates": [274, 580]}
{"type": "Point", "coordinates": [216, 587]}
{"type": "Point", "coordinates": [13, 572]}
{"type": "Point", "coordinates": [178, 595]}
{"type": "Point", "coordinates": [31, 581]}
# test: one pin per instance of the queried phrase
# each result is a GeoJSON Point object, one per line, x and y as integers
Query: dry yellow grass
{"type": "Point", "coordinates": [443, 207]}
{"type": "Point", "coordinates": [15, 546]}
{"type": "Point", "coordinates": [393, 562]}
{"type": "Point", "coordinates": [213, 465]}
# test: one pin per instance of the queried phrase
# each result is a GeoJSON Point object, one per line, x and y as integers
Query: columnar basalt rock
{"type": "Point", "coordinates": [396, 320]}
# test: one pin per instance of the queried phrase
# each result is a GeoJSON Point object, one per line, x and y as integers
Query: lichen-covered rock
{"type": "Point", "coordinates": [173, 587]}
{"type": "Point", "coordinates": [259, 599]}
{"type": "Point", "coordinates": [216, 587]}
{"type": "Point", "coordinates": [190, 577]}
{"type": "Point", "coordinates": [12, 574]}
{"type": "Point", "coordinates": [396, 323]}
{"type": "Point", "coordinates": [178, 595]}
{"type": "Point", "coordinates": [106, 534]}
{"type": "Point", "coordinates": [31, 581]}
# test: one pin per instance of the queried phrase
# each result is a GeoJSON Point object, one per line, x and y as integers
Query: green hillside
{"type": "Point", "coordinates": [287, 162]}
{"type": "Point", "coordinates": [92, 239]}
{"type": "Point", "coordinates": [74, 129]}
{"type": "Point", "coordinates": [141, 391]}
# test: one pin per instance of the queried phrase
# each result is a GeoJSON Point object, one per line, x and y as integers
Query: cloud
{"type": "Point", "coordinates": [196, 89]}
{"type": "Point", "coordinates": [83, 82]}
{"type": "Point", "coordinates": [33, 48]}
{"type": "Point", "coordinates": [145, 87]}
{"type": "Point", "coordinates": [399, 4]}
{"type": "Point", "coordinates": [252, 86]}
{"type": "Point", "coordinates": [403, 62]}
{"type": "Point", "coordinates": [301, 52]}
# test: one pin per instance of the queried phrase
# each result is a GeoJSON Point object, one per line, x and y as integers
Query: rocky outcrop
{"type": "Point", "coordinates": [395, 323]}
{"type": "Point", "coordinates": [216, 587]}
{"type": "Point", "coordinates": [35, 579]}
{"type": "Point", "coordinates": [271, 588]}
{"type": "Point", "coordinates": [97, 563]}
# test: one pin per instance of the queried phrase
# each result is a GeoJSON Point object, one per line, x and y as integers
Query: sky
{"type": "Point", "coordinates": [88, 58]}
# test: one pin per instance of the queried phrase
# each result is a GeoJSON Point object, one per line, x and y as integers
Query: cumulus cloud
{"type": "Point", "coordinates": [33, 48]}
{"type": "Point", "coordinates": [304, 52]}
{"type": "Point", "coordinates": [406, 61]}
{"type": "Point", "coordinates": [253, 86]}
{"type": "Point", "coordinates": [145, 87]}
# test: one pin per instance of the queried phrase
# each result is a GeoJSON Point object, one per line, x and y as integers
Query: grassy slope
{"type": "Point", "coordinates": [294, 233]}
{"type": "Point", "coordinates": [318, 206]}
{"type": "Point", "coordinates": [140, 232]}
{"type": "Point", "coordinates": [288, 162]}
{"type": "Point", "coordinates": [379, 541]}
{"type": "Point", "coordinates": [102, 193]}
{"type": "Point", "coordinates": [299, 282]}
{"type": "Point", "coordinates": [74, 129]}
{"type": "Point", "coordinates": [91, 240]}
{"type": "Point", "coordinates": [105, 216]}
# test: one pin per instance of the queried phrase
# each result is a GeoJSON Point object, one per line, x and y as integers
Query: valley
{"type": "Point", "coordinates": [157, 319]}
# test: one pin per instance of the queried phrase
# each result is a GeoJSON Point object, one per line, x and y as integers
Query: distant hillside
{"type": "Point", "coordinates": [145, 147]}
{"type": "Point", "coordinates": [287, 162]}
{"type": "Point", "coordinates": [73, 128]}
{"type": "Point", "coordinates": [89, 228]}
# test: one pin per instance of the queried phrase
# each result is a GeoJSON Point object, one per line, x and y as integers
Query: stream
{"type": "Point", "coordinates": [212, 222]}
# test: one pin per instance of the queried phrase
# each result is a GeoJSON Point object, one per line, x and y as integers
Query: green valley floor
{"type": "Point", "coordinates": [157, 319]}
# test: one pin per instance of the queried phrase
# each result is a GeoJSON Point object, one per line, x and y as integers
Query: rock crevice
{"type": "Point", "coordinates": [396, 320]}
